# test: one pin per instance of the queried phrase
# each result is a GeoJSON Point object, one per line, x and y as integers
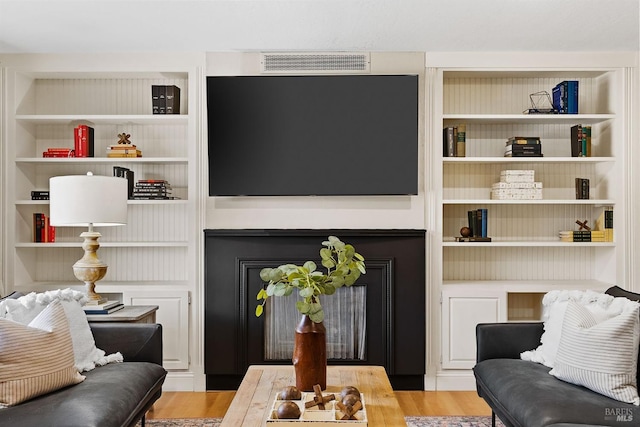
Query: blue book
{"type": "Point", "coordinates": [572, 96]}
{"type": "Point", "coordinates": [483, 222]}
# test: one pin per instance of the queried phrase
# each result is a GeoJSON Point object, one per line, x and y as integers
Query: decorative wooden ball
{"type": "Point", "coordinates": [290, 393]}
{"type": "Point", "coordinates": [349, 390]}
{"type": "Point", "coordinates": [288, 410]}
{"type": "Point", "coordinates": [351, 399]}
{"type": "Point", "coordinates": [465, 232]}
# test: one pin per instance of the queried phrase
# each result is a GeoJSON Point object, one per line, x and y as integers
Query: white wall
{"type": "Point", "coordinates": [370, 25]}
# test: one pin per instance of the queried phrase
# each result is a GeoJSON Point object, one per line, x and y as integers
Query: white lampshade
{"type": "Point", "coordinates": [84, 200]}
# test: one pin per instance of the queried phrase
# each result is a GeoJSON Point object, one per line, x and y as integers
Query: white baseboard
{"type": "Point", "coordinates": [180, 381]}
{"type": "Point", "coordinates": [455, 381]}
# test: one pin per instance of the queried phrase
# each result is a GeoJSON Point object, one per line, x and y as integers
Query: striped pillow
{"type": "Point", "coordinates": [37, 358]}
{"type": "Point", "coordinates": [600, 356]}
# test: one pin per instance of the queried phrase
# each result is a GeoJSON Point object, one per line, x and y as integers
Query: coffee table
{"type": "Point", "coordinates": [251, 404]}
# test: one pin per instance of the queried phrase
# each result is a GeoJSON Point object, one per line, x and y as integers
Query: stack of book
{"type": "Point", "coordinates": [580, 141]}
{"type": "Point", "coordinates": [43, 232]}
{"type": "Point", "coordinates": [478, 223]}
{"type": "Point", "coordinates": [165, 99]}
{"type": "Point", "coordinates": [454, 141]}
{"type": "Point", "coordinates": [83, 141]}
{"type": "Point", "coordinates": [40, 195]}
{"type": "Point", "coordinates": [523, 146]}
{"type": "Point", "coordinates": [59, 152]}
{"type": "Point", "coordinates": [565, 97]}
{"type": "Point", "coordinates": [516, 185]}
{"type": "Point", "coordinates": [123, 150]}
{"type": "Point", "coordinates": [582, 236]}
{"type": "Point", "coordinates": [152, 189]}
{"type": "Point", "coordinates": [104, 308]}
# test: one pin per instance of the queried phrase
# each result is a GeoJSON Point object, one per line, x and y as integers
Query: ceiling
{"type": "Point", "coordinates": [28, 26]}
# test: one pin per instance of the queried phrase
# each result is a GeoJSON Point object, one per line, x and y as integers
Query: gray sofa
{"type": "Point", "coordinates": [524, 394]}
{"type": "Point", "coordinates": [114, 395]}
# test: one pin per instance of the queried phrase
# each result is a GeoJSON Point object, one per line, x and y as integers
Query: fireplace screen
{"type": "Point", "coordinates": [344, 318]}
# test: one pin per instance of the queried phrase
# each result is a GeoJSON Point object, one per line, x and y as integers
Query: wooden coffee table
{"type": "Point", "coordinates": [251, 404]}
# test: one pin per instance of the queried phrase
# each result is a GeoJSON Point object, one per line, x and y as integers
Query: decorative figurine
{"type": "Point", "coordinates": [124, 138]}
{"type": "Point", "coordinates": [583, 224]}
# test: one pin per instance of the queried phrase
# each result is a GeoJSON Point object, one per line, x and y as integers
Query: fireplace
{"type": "Point", "coordinates": [391, 334]}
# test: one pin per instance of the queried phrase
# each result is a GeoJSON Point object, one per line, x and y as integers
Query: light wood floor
{"type": "Point", "coordinates": [214, 404]}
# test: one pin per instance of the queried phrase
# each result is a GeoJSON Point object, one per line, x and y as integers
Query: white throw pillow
{"type": "Point", "coordinates": [37, 358]}
{"type": "Point", "coordinates": [554, 305]}
{"type": "Point", "coordinates": [87, 355]}
{"type": "Point", "coordinates": [601, 356]}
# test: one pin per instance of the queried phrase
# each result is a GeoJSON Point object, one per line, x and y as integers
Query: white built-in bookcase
{"type": "Point", "coordinates": [155, 255]}
{"type": "Point", "coordinates": [505, 279]}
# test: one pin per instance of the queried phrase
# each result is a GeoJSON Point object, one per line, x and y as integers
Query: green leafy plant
{"type": "Point", "coordinates": [343, 264]}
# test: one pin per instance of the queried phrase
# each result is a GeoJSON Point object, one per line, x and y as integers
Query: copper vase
{"type": "Point", "coordinates": [310, 355]}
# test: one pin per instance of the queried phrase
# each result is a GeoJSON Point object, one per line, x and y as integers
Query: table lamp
{"type": "Point", "coordinates": [87, 201]}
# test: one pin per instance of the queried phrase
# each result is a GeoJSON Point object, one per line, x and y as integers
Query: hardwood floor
{"type": "Point", "coordinates": [214, 404]}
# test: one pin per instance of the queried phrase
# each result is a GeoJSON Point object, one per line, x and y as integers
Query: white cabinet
{"type": "Point", "coordinates": [173, 315]}
{"type": "Point", "coordinates": [155, 254]}
{"type": "Point", "coordinates": [462, 310]}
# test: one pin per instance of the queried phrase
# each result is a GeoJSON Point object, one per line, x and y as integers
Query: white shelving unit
{"type": "Point", "coordinates": [505, 279]}
{"type": "Point", "coordinates": [155, 256]}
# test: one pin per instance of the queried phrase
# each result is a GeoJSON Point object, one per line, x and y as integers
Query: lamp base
{"type": "Point", "coordinates": [89, 268]}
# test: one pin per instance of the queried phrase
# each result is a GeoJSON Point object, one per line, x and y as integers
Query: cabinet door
{"type": "Point", "coordinates": [462, 310]}
{"type": "Point", "coordinates": [173, 315]}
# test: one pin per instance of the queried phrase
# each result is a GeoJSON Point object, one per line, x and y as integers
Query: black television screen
{"type": "Point", "coordinates": [312, 135]}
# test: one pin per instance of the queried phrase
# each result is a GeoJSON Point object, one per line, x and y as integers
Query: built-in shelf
{"type": "Point", "coordinates": [530, 118]}
{"type": "Point", "coordinates": [54, 245]}
{"type": "Point", "coordinates": [524, 243]}
{"type": "Point", "coordinates": [528, 160]}
{"type": "Point", "coordinates": [100, 160]}
{"type": "Point", "coordinates": [107, 119]}
{"type": "Point", "coordinates": [594, 202]}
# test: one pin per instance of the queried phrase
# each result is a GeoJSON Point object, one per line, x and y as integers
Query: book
{"type": "Point", "coordinates": [40, 195]}
{"type": "Point", "coordinates": [565, 97]}
{"type": "Point", "coordinates": [523, 140]}
{"type": "Point", "coordinates": [461, 140]}
{"type": "Point", "coordinates": [582, 188]}
{"type": "Point", "coordinates": [43, 231]}
{"type": "Point", "coordinates": [484, 214]}
{"type": "Point", "coordinates": [90, 310]}
{"type": "Point", "coordinates": [172, 99]}
{"type": "Point", "coordinates": [523, 148]}
{"type": "Point", "coordinates": [449, 143]}
{"type": "Point", "coordinates": [576, 141]}
{"type": "Point", "coordinates": [103, 306]}
{"type": "Point", "coordinates": [59, 152]}
{"type": "Point", "coordinates": [586, 141]}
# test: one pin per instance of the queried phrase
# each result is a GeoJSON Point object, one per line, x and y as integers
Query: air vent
{"type": "Point", "coordinates": [284, 63]}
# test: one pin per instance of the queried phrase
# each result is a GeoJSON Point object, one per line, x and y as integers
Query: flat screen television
{"type": "Point", "coordinates": [312, 135]}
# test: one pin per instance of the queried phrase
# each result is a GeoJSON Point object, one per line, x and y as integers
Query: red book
{"type": "Point", "coordinates": [81, 150]}
{"type": "Point", "coordinates": [76, 140]}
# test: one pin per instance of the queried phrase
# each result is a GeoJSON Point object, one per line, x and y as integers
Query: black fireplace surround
{"type": "Point", "coordinates": [395, 296]}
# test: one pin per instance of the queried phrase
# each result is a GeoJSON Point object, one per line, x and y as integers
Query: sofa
{"type": "Point", "coordinates": [116, 394]}
{"type": "Point", "coordinates": [522, 393]}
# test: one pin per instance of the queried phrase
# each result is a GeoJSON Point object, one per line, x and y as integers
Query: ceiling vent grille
{"type": "Point", "coordinates": [342, 62]}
